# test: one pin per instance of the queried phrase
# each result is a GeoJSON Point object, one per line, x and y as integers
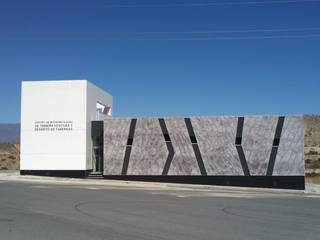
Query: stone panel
{"type": "Point", "coordinates": [149, 150]}
{"type": "Point", "coordinates": [289, 160]}
{"type": "Point", "coordinates": [257, 140]}
{"type": "Point", "coordinates": [184, 161]}
{"type": "Point", "coordinates": [216, 139]}
{"type": "Point", "coordinates": [116, 132]}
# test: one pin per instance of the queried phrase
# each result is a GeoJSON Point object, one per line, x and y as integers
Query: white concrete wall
{"type": "Point", "coordinates": [94, 95]}
{"type": "Point", "coordinates": [52, 102]}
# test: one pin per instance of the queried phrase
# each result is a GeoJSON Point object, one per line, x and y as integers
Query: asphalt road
{"type": "Point", "coordinates": [33, 210]}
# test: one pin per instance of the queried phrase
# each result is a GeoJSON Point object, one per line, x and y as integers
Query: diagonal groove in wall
{"type": "Point", "coordinates": [129, 147]}
{"type": "Point", "coordinates": [195, 146]}
{"type": "Point", "coordinates": [169, 146]}
{"type": "Point", "coordinates": [275, 146]}
{"type": "Point", "coordinates": [239, 147]}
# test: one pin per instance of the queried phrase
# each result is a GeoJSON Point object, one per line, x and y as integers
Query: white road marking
{"type": "Point", "coordinates": [39, 186]}
{"type": "Point", "coordinates": [93, 188]}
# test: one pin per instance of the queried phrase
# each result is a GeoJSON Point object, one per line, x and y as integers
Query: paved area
{"type": "Point", "coordinates": [51, 208]}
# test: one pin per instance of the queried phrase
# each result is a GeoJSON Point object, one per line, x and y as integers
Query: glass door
{"type": "Point", "coordinates": [97, 147]}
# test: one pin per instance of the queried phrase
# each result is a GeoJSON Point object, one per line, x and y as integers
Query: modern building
{"type": "Point", "coordinates": [67, 130]}
{"type": "Point", "coordinates": [56, 121]}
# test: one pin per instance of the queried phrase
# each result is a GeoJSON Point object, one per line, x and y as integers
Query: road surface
{"type": "Point", "coordinates": [89, 210]}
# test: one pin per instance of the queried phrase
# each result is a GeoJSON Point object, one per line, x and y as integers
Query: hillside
{"type": "Point", "coordinates": [9, 133]}
{"type": "Point", "coordinates": [9, 156]}
{"type": "Point", "coordinates": [312, 146]}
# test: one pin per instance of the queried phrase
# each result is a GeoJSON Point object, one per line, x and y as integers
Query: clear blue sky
{"type": "Point", "coordinates": [167, 57]}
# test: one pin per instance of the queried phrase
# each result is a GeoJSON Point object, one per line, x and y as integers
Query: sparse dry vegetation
{"type": "Point", "coordinates": [312, 148]}
{"type": "Point", "coordinates": [9, 156]}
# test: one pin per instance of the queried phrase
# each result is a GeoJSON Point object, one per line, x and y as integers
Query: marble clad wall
{"type": "Point", "coordinates": [290, 157]}
{"type": "Point", "coordinates": [149, 151]}
{"type": "Point", "coordinates": [257, 139]}
{"type": "Point", "coordinates": [184, 161]}
{"type": "Point", "coordinates": [215, 138]}
{"type": "Point", "coordinates": [115, 141]}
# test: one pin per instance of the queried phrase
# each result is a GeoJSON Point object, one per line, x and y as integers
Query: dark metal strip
{"type": "Point", "coordinates": [277, 135]}
{"type": "Point", "coordinates": [239, 130]}
{"type": "Point", "coordinates": [58, 173]}
{"type": "Point", "coordinates": [169, 159]}
{"type": "Point", "coordinates": [243, 161]}
{"type": "Point", "coordinates": [129, 147]}
{"type": "Point", "coordinates": [131, 131]}
{"type": "Point", "coordinates": [192, 136]}
{"type": "Point", "coordinates": [275, 145]}
{"type": "Point", "coordinates": [169, 146]}
{"type": "Point", "coordinates": [239, 148]}
{"type": "Point", "coordinates": [282, 182]}
{"type": "Point", "coordinates": [272, 159]}
{"type": "Point", "coordinates": [199, 159]}
{"type": "Point", "coordinates": [164, 130]}
{"type": "Point", "coordinates": [195, 146]}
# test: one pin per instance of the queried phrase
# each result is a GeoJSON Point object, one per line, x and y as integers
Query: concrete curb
{"type": "Point", "coordinates": [14, 176]}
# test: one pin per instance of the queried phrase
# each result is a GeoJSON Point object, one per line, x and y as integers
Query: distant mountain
{"type": "Point", "coordinates": [9, 133]}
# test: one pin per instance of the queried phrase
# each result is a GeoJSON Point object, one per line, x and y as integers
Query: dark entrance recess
{"type": "Point", "coordinates": [97, 148]}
